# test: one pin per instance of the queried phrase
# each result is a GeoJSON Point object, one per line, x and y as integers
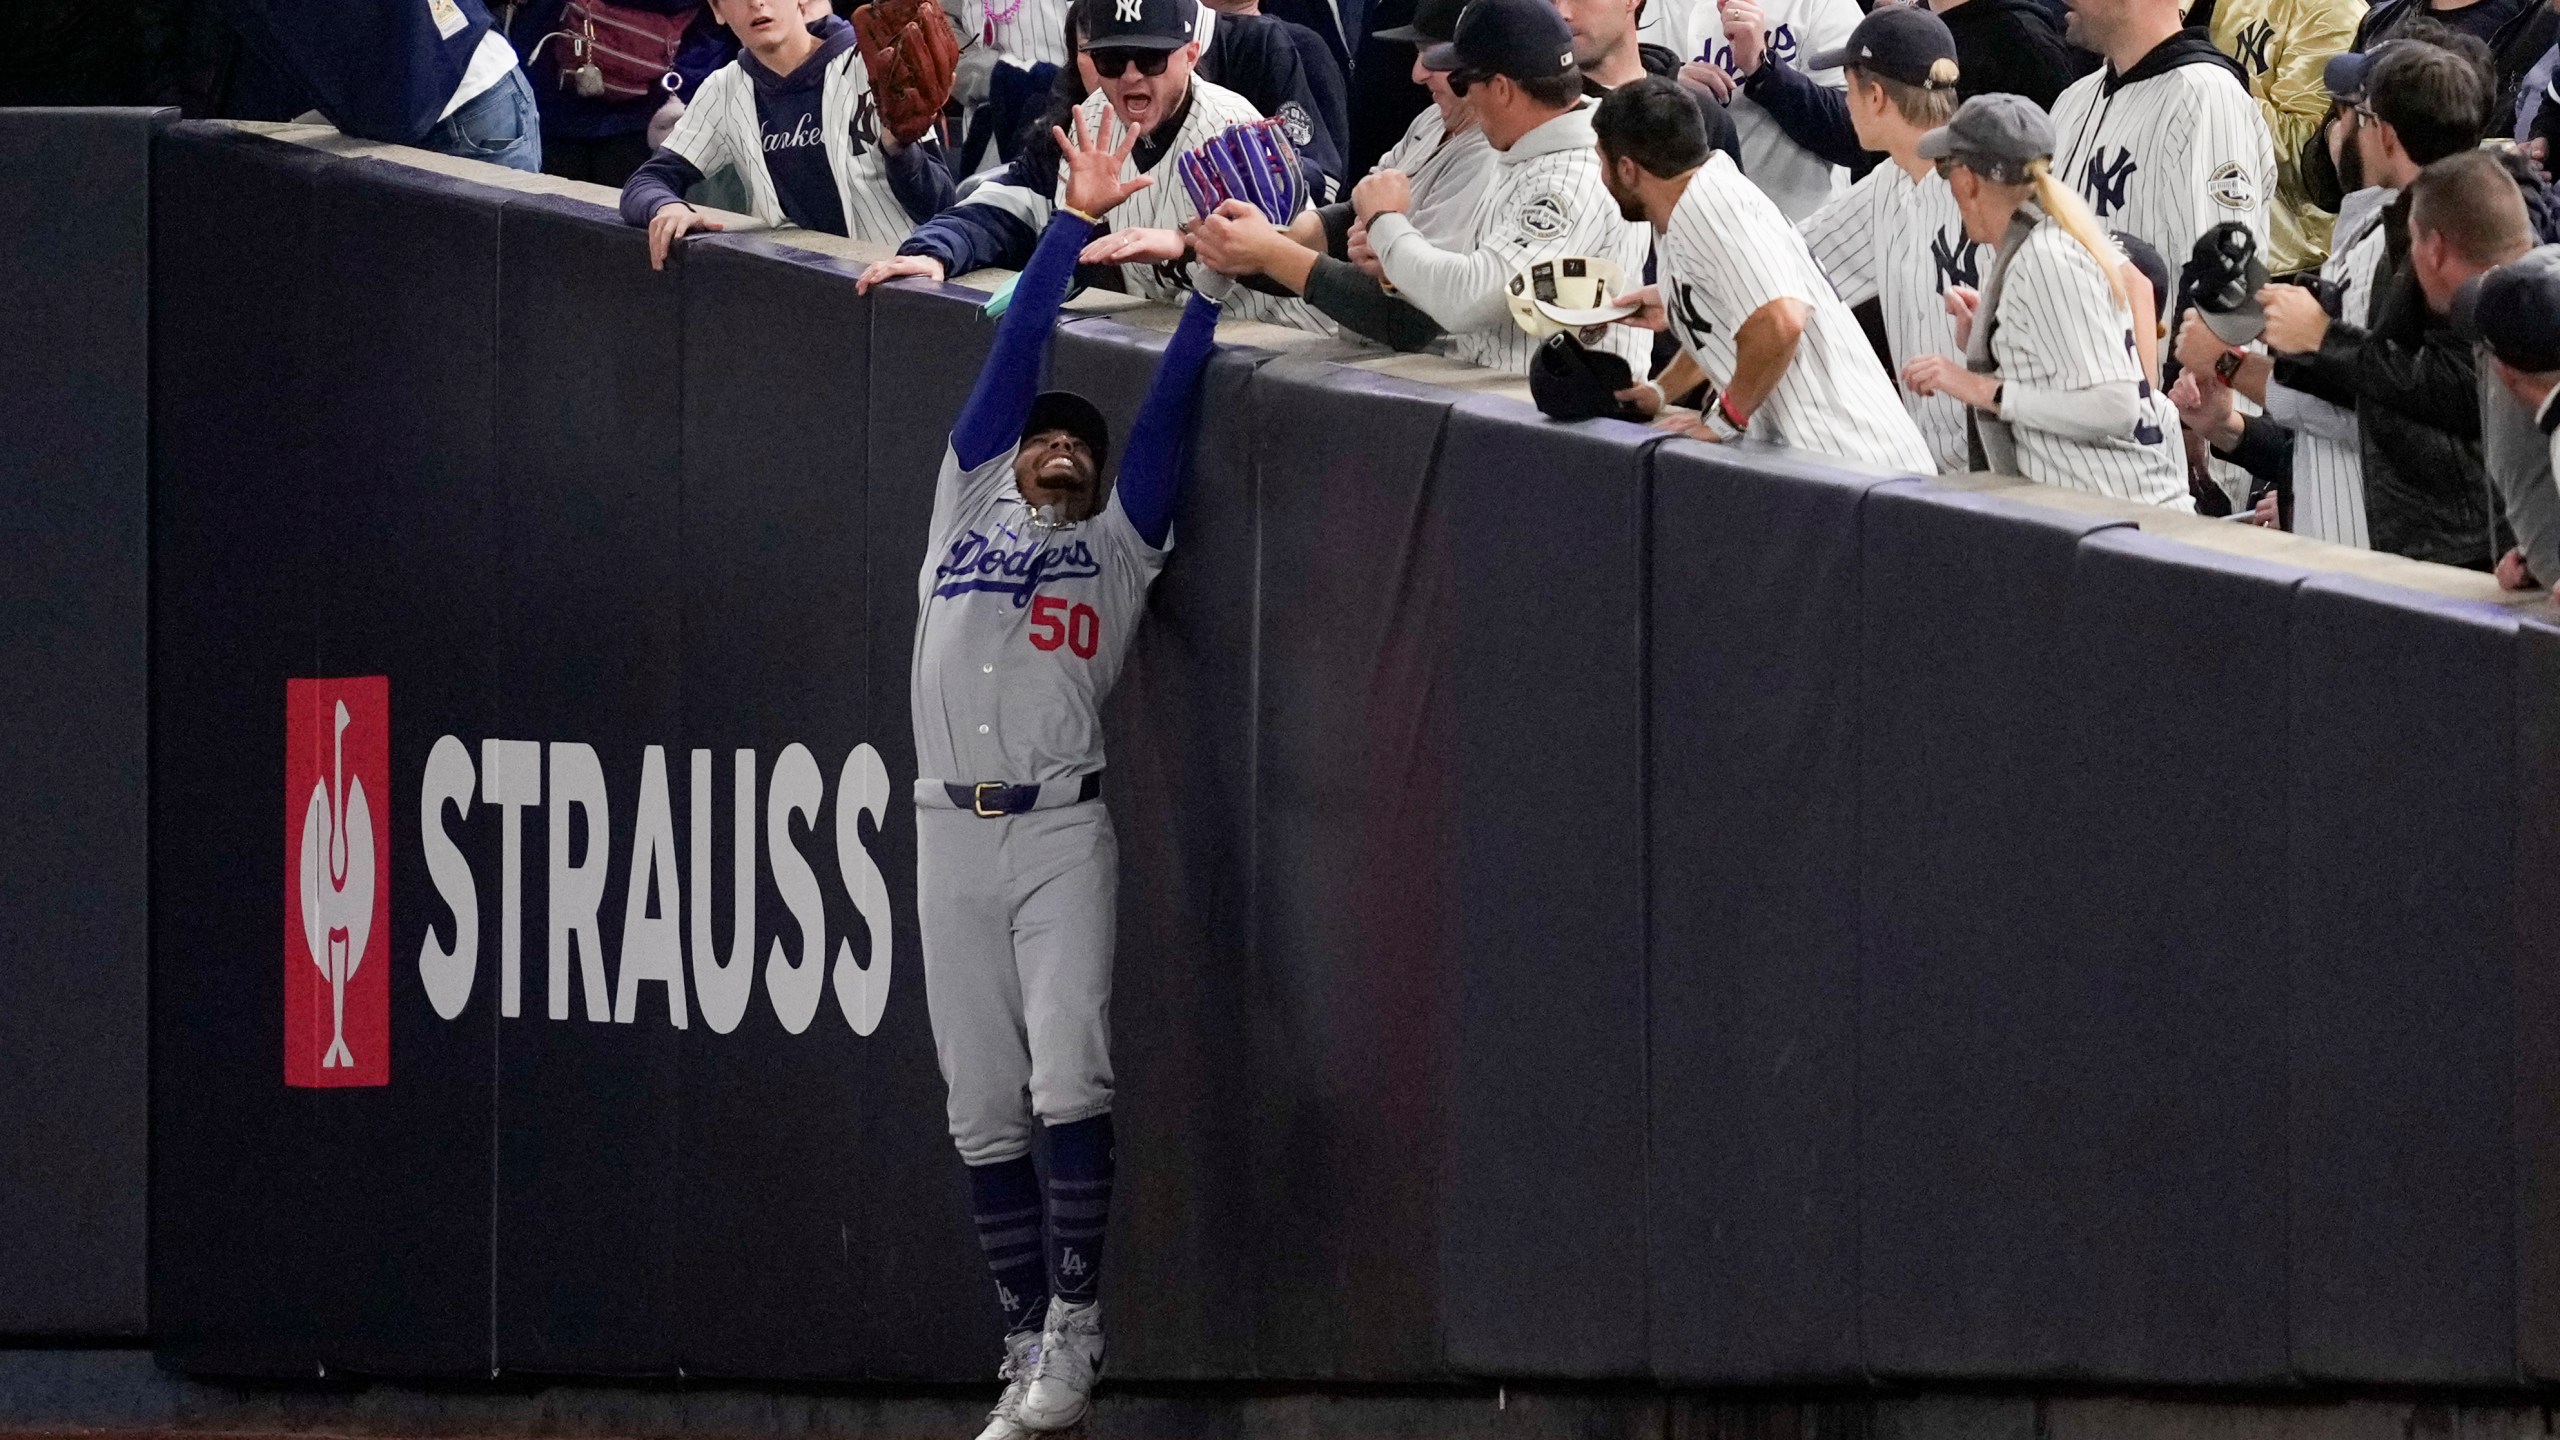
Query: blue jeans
{"type": "Point", "coordinates": [499, 125]}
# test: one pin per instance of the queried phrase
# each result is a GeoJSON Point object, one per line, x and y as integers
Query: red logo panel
{"type": "Point", "coordinates": [337, 882]}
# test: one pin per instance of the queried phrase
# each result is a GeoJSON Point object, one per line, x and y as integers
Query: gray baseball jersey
{"type": "Point", "coordinates": [1545, 201]}
{"type": "Point", "coordinates": [2168, 157]}
{"type": "Point", "coordinates": [1900, 242]}
{"type": "Point", "coordinates": [1792, 32]}
{"type": "Point", "coordinates": [2328, 461]}
{"type": "Point", "coordinates": [1020, 631]}
{"type": "Point", "coordinates": [2056, 329]}
{"type": "Point", "coordinates": [720, 129]}
{"type": "Point", "coordinates": [1449, 175]}
{"type": "Point", "coordinates": [1726, 253]}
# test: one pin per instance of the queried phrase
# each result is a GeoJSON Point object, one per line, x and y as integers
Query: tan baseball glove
{"type": "Point", "coordinates": [908, 47]}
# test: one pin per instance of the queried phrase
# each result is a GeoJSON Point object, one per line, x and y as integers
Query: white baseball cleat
{"type": "Point", "coordinates": [1061, 1390]}
{"type": "Point", "coordinates": [1021, 1358]}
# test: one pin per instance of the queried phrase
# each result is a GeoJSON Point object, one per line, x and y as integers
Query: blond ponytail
{"type": "Point", "coordinates": [2072, 214]}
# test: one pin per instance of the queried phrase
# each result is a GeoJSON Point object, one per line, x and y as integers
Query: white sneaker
{"type": "Point", "coordinates": [1061, 1392]}
{"type": "Point", "coordinates": [1021, 1358]}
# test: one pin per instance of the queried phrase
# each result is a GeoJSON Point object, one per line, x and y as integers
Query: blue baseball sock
{"type": "Point", "coordinates": [1005, 1199]}
{"type": "Point", "coordinates": [1079, 1206]}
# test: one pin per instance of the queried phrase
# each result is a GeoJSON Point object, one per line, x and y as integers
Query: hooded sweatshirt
{"type": "Point", "coordinates": [2169, 147]}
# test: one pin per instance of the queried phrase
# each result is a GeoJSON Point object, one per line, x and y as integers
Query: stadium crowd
{"type": "Point", "coordinates": [2288, 261]}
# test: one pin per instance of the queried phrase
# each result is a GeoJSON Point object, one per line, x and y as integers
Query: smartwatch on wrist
{"type": "Point", "coordinates": [2228, 365]}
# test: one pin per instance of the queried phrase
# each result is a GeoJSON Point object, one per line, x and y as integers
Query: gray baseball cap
{"type": "Point", "coordinates": [1998, 133]}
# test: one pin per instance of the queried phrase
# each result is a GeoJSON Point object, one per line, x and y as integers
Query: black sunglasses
{"type": "Point", "coordinates": [1461, 80]}
{"type": "Point", "coordinates": [1112, 64]}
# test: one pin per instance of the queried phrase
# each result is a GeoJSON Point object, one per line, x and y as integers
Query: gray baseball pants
{"type": "Point", "coordinates": [1019, 919]}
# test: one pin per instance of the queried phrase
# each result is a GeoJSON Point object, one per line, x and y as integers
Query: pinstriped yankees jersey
{"type": "Point", "coordinates": [2168, 157]}
{"type": "Point", "coordinates": [720, 128]}
{"type": "Point", "coordinates": [1544, 200]}
{"type": "Point", "coordinates": [2328, 465]}
{"type": "Point", "coordinates": [1793, 32]}
{"type": "Point", "coordinates": [1901, 242]}
{"type": "Point", "coordinates": [1727, 252]}
{"type": "Point", "coordinates": [1027, 32]}
{"type": "Point", "coordinates": [2056, 328]}
{"type": "Point", "coordinates": [1163, 205]}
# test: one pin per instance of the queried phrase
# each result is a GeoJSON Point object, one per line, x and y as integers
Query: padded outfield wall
{"type": "Point", "coordinates": [1592, 907]}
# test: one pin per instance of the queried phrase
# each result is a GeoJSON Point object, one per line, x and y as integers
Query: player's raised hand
{"type": "Point", "coordinates": [1093, 165]}
{"type": "Point", "coordinates": [1649, 314]}
{"type": "Point", "coordinates": [1230, 238]}
{"type": "Point", "coordinates": [1145, 246]}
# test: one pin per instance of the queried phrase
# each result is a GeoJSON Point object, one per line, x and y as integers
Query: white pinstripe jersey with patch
{"type": "Point", "coordinates": [2169, 157]}
{"type": "Point", "coordinates": [1727, 252]}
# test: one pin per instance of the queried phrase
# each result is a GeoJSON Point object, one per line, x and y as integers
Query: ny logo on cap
{"type": "Point", "coordinates": [1127, 12]}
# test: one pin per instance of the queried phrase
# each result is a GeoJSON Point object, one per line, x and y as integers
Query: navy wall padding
{"type": "Point", "coordinates": [1543, 1262]}
{"type": "Point", "coordinates": [1969, 1009]}
{"type": "Point", "coordinates": [2170, 981]}
{"type": "Point", "coordinates": [1354, 980]}
{"type": "Point", "coordinates": [397, 515]}
{"type": "Point", "coordinates": [1753, 715]}
{"type": "Point", "coordinates": [234, 1285]}
{"type": "Point", "coordinates": [776, 380]}
{"type": "Point", "coordinates": [933, 1310]}
{"type": "Point", "coordinates": [1179, 785]}
{"type": "Point", "coordinates": [2537, 1019]}
{"type": "Point", "coordinates": [2403, 1042]}
{"type": "Point", "coordinates": [74, 952]}
{"type": "Point", "coordinates": [590, 419]}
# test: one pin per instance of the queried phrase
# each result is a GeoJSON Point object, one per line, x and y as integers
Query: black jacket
{"type": "Point", "coordinates": [2011, 47]}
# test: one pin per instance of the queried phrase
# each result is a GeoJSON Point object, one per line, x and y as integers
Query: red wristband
{"type": "Point", "coordinates": [1732, 417]}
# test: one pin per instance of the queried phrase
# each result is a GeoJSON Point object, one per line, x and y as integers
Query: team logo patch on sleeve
{"type": "Point", "coordinates": [2230, 188]}
{"type": "Point", "coordinates": [1293, 119]}
{"type": "Point", "coordinates": [1542, 216]}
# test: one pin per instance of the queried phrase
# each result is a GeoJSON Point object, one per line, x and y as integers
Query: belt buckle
{"type": "Point", "coordinates": [978, 799]}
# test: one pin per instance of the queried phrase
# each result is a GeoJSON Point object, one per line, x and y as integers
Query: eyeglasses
{"type": "Point", "coordinates": [2363, 111]}
{"type": "Point", "coordinates": [1112, 64]}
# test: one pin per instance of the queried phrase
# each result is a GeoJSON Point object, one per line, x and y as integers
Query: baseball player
{"type": "Point", "coordinates": [1896, 236]}
{"type": "Point", "coordinates": [1742, 295]}
{"type": "Point", "coordinates": [1727, 44]}
{"type": "Point", "coordinates": [1033, 583]}
{"type": "Point", "coordinates": [794, 114]}
{"type": "Point", "coordinates": [1512, 61]}
{"type": "Point", "coordinates": [2164, 141]}
{"type": "Point", "coordinates": [1143, 53]}
{"type": "Point", "coordinates": [2052, 371]}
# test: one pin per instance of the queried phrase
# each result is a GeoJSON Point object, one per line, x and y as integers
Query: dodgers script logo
{"type": "Point", "coordinates": [977, 563]}
{"type": "Point", "coordinates": [337, 853]}
{"type": "Point", "coordinates": [2106, 179]}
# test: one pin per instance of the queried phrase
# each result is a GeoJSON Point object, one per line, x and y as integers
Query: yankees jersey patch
{"type": "Point", "coordinates": [1726, 254]}
{"type": "Point", "coordinates": [1900, 242]}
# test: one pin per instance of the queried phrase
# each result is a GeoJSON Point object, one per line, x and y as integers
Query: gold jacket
{"type": "Point", "coordinates": [2283, 44]}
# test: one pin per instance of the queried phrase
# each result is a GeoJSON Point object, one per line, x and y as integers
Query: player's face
{"type": "Point", "coordinates": [1144, 100]}
{"type": "Point", "coordinates": [1055, 468]}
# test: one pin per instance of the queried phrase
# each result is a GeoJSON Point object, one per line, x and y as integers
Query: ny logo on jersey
{"type": "Point", "coordinates": [976, 563]}
{"type": "Point", "coordinates": [2143, 428]}
{"type": "Point", "coordinates": [1685, 313]}
{"type": "Point", "coordinates": [866, 122]}
{"type": "Point", "coordinates": [2250, 46]}
{"type": "Point", "coordinates": [1956, 260]}
{"type": "Point", "coordinates": [2105, 180]}
{"type": "Point", "coordinates": [1128, 12]}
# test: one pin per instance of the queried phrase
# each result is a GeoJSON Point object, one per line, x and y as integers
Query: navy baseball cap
{"type": "Point", "coordinates": [1066, 410]}
{"type": "Point", "coordinates": [2515, 311]}
{"type": "Point", "coordinates": [2148, 260]}
{"type": "Point", "coordinates": [1141, 24]}
{"type": "Point", "coordinates": [1899, 42]}
{"type": "Point", "coordinates": [1523, 39]}
{"type": "Point", "coordinates": [1434, 21]}
{"type": "Point", "coordinates": [2347, 74]}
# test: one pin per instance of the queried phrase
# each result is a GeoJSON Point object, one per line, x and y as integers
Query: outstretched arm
{"type": "Point", "coordinates": [1151, 470]}
{"type": "Point", "coordinates": [1002, 400]}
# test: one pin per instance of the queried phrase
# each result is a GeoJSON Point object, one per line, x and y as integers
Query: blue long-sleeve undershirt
{"type": "Point", "coordinates": [992, 420]}
{"type": "Point", "coordinates": [1151, 470]}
